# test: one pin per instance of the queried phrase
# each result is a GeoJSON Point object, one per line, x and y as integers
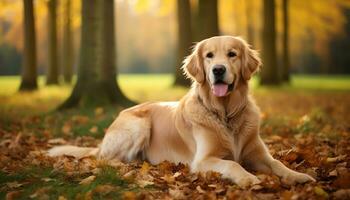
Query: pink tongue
{"type": "Point", "coordinates": [220, 90]}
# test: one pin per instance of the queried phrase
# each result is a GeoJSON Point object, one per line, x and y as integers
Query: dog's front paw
{"type": "Point", "coordinates": [296, 177]}
{"type": "Point", "coordinates": [247, 181]}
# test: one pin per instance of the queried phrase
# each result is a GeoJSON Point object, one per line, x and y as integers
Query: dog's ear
{"type": "Point", "coordinates": [193, 65]}
{"type": "Point", "coordinates": [251, 62]}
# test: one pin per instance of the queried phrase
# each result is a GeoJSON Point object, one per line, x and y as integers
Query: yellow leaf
{"type": "Point", "coordinates": [320, 192]}
{"type": "Point", "coordinates": [129, 195]}
{"type": "Point", "coordinates": [145, 168]}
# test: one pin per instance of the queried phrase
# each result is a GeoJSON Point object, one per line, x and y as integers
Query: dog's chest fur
{"type": "Point", "coordinates": [226, 127]}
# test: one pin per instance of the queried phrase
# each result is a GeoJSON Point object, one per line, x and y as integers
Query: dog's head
{"type": "Point", "coordinates": [221, 62]}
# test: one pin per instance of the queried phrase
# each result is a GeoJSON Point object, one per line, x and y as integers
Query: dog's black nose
{"type": "Point", "coordinates": [219, 70]}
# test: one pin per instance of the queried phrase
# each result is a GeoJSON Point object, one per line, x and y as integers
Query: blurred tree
{"type": "Point", "coordinates": [340, 48]}
{"type": "Point", "coordinates": [250, 21]}
{"type": "Point", "coordinates": [68, 49]}
{"type": "Point", "coordinates": [184, 39]}
{"type": "Point", "coordinates": [285, 42]}
{"type": "Point", "coordinates": [107, 56]}
{"type": "Point", "coordinates": [29, 70]}
{"type": "Point", "coordinates": [269, 75]}
{"type": "Point", "coordinates": [96, 82]}
{"type": "Point", "coordinates": [207, 19]}
{"type": "Point", "coordinates": [52, 72]}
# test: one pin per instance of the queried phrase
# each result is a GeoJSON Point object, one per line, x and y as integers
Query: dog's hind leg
{"type": "Point", "coordinates": [126, 138]}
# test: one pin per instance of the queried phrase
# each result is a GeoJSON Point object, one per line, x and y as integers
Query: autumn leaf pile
{"type": "Point", "coordinates": [312, 138]}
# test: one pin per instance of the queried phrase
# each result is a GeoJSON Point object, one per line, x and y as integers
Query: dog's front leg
{"type": "Point", "coordinates": [260, 159]}
{"type": "Point", "coordinates": [207, 158]}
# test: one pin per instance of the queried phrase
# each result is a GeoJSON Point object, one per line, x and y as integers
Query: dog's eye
{"type": "Point", "coordinates": [210, 55]}
{"type": "Point", "coordinates": [231, 54]}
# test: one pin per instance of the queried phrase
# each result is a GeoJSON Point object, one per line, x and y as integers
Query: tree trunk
{"type": "Point", "coordinates": [250, 21]}
{"type": "Point", "coordinates": [29, 69]}
{"type": "Point", "coordinates": [184, 40]}
{"type": "Point", "coordinates": [285, 42]}
{"type": "Point", "coordinates": [68, 49]}
{"type": "Point", "coordinates": [207, 19]}
{"type": "Point", "coordinates": [52, 74]}
{"type": "Point", "coordinates": [269, 74]}
{"type": "Point", "coordinates": [96, 82]}
{"type": "Point", "coordinates": [107, 64]}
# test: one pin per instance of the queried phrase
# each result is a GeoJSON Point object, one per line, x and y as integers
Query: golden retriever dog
{"type": "Point", "coordinates": [214, 127]}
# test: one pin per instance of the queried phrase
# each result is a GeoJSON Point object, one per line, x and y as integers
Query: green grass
{"type": "Point", "coordinates": [57, 183]}
{"type": "Point", "coordinates": [143, 87]}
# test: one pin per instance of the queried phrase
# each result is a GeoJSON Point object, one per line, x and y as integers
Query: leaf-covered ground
{"type": "Point", "coordinates": [307, 130]}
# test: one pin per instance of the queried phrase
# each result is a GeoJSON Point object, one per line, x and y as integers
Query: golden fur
{"type": "Point", "coordinates": [205, 131]}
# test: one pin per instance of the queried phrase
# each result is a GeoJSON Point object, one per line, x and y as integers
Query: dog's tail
{"type": "Point", "coordinates": [69, 150]}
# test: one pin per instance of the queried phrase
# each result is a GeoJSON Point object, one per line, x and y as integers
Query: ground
{"type": "Point", "coordinates": [305, 125]}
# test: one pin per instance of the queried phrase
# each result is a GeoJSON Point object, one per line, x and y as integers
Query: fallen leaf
{"type": "Point", "coordinates": [12, 195]}
{"type": "Point", "coordinates": [41, 193]}
{"type": "Point", "coordinates": [177, 174]}
{"type": "Point", "coordinates": [320, 192]}
{"type": "Point", "coordinates": [342, 194]}
{"type": "Point", "coordinates": [129, 195]}
{"type": "Point", "coordinates": [57, 141]}
{"type": "Point", "coordinates": [87, 180]}
{"type": "Point", "coordinates": [336, 159]}
{"type": "Point", "coordinates": [104, 189]}
{"type": "Point", "coordinates": [14, 185]}
{"type": "Point", "coordinates": [67, 129]}
{"type": "Point", "coordinates": [200, 190]}
{"type": "Point", "coordinates": [93, 129]}
{"type": "Point", "coordinates": [47, 179]}
{"type": "Point", "coordinates": [177, 194]}
{"type": "Point", "coordinates": [287, 195]}
{"type": "Point", "coordinates": [99, 111]}
{"type": "Point", "coordinates": [145, 168]}
{"type": "Point", "coordinates": [333, 173]}
{"type": "Point", "coordinates": [62, 198]}
{"type": "Point", "coordinates": [168, 178]}
{"type": "Point", "coordinates": [144, 183]}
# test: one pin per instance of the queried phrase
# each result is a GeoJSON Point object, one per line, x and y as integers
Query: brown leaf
{"type": "Point", "coordinates": [177, 194]}
{"type": "Point", "coordinates": [93, 129]}
{"type": "Point", "coordinates": [336, 159]}
{"type": "Point", "coordinates": [168, 178]}
{"type": "Point", "coordinates": [12, 195]}
{"type": "Point", "coordinates": [199, 189]}
{"type": "Point", "coordinates": [342, 194]}
{"type": "Point", "coordinates": [87, 180]}
{"type": "Point", "coordinates": [13, 185]}
{"type": "Point", "coordinates": [333, 173]}
{"type": "Point", "coordinates": [287, 195]}
{"type": "Point", "coordinates": [129, 195]}
{"type": "Point", "coordinates": [41, 193]}
{"type": "Point", "coordinates": [342, 181]}
{"type": "Point", "coordinates": [104, 189]}
{"type": "Point", "coordinates": [67, 129]}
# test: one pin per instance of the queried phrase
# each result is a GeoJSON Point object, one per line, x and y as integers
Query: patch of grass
{"type": "Point", "coordinates": [55, 183]}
